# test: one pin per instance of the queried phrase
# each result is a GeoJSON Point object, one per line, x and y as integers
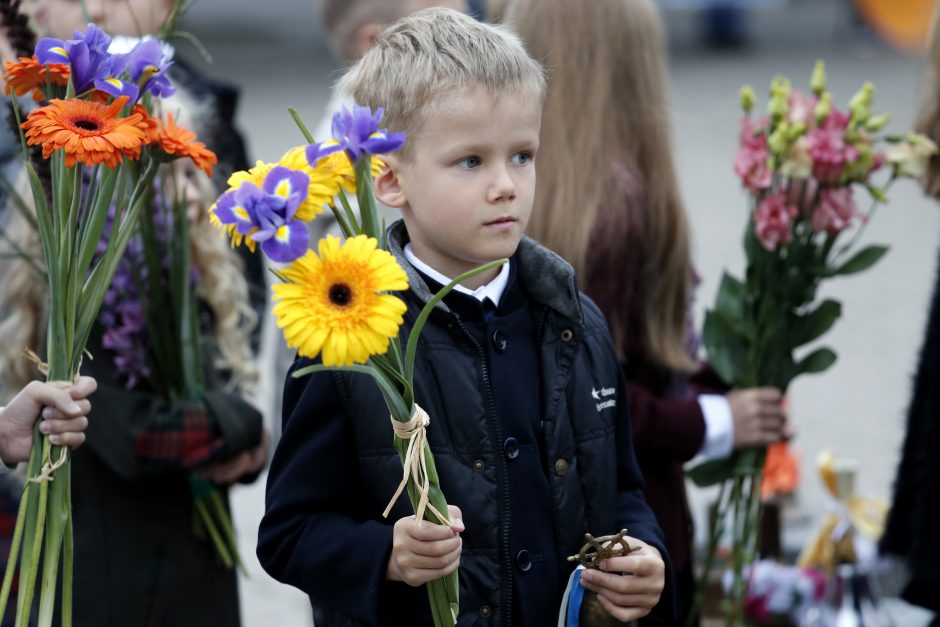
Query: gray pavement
{"type": "Point", "coordinates": [275, 52]}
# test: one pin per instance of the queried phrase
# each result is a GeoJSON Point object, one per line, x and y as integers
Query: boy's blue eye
{"type": "Point", "coordinates": [521, 158]}
{"type": "Point", "coordinates": [470, 162]}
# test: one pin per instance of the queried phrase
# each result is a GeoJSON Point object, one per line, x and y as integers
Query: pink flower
{"type": "Point", "coordinates": [836, 211]}
{"type": "Point", "coordinates": [750, 163]}
{"type": "Point", "coordinates": [802, 109]}
{"type": "Point", "coordinates": [836, 121]}
{"type": "Point", "coordinates": [830, 153]}
{"type": "Point", "coordinates": [772, 220]}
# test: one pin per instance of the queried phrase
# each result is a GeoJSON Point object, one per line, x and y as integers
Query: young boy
{"type": "Point", "coordinates": [517, 371]}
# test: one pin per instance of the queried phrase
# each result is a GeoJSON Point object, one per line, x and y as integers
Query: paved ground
{"type": "Point", "coordinates": [857, 408]}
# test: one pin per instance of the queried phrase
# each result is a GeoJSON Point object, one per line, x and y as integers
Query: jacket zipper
{"type": "Point", "coordinates": [506, 588]}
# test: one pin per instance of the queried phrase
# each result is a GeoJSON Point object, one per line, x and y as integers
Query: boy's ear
{"type": "Point", "coordinates": [388, 187]}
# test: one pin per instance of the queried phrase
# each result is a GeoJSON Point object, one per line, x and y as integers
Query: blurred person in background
{"type": "Point", "coordinates": [911, 531]}
{"type": "Point", "coordinates": [607, 200]}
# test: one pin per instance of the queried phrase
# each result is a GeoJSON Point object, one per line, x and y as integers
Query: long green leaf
{"type": "Point", "coordinates": [862, 260]}
{"type": "Point", "coordinates": [817, 361]}
{"type": "Point", "coordinates": [392, 398]}
{"type": "Point", "coordinates": [412, 345]}
{"type": "Point", "coordinates": [815, 324]}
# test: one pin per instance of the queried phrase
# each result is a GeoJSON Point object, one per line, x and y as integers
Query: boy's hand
{"type": "Point", "coordinates": [423, 551]}
{"type": "Point", "coordinates": [628, 587]}
{"type": "Point", "coordinates": [758, 415]}
{"type": "Point", "coordinates": [63, 417]}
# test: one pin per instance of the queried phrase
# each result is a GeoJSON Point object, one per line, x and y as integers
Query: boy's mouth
{"type": "Point", "coordinates": [499, 221]}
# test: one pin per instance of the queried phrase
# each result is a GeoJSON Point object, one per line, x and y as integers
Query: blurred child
{"type": "Point", "coordinates": [507, 368]}
{"type": "Point", "coordinates": [608, 201]}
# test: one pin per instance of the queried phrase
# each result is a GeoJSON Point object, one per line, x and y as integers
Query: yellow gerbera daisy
{"type": "Point", "coordinates": [331, 303]}
{"type": "Point", "coordinates": [254, 175]}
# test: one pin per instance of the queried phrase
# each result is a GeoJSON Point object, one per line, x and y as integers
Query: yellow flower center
{"type": "Point", "coordinates": [340, 295]}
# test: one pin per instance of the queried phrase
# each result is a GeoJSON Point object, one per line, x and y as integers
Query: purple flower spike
{"type": "Point", "coordinates": [357, 132]}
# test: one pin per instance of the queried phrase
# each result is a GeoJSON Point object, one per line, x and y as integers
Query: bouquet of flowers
{"type": "Point", "coordinates": [103, 149]}
{"type": "Point", "coordinates": [336, 305]}
{"type": "Point", "coordinates": [802, 166]}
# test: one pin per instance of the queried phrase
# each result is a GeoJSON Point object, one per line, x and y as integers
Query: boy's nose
{"type": "Point", "coordinates": [502, 187]}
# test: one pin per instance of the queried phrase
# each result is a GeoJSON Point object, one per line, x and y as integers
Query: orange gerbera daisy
{"type": "Point", "coordinates": [149, 125]}
{"type": "Point", "coordinates": [27, 75]}
{"type": "Point", "coordinates": [88, 132]}
{"type": "Point", "coordinates": [180, 142]}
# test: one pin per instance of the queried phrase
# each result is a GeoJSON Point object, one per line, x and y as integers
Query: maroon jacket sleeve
{"type": "Point", "coordinates": [665, 426]}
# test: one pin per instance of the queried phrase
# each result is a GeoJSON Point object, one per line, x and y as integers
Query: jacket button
{"type": "Point", "coordinates": [479, 465]}
{"type": "Point", "coordinates": [523, 561]}
{"type": "Point", "coordinates": [485, 611]}
{"type": "Point", "coordinates": [499, 341]}
{"type": "Point", "coordinates": [561, 467]}
{"type": "Point", "coordinates": [511, 448]}
{"type": "Point", "coordinates": [566, 335]}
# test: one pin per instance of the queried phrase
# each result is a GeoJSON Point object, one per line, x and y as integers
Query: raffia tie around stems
{"type": "Point", "coordinates": [415, 466]}
{"type": "Point", "coordinates": [47, 472]}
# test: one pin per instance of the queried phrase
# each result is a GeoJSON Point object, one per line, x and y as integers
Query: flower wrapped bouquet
{"type": "Point", "coordinates": [338, 303]}
{"type": "Point", "coordinates": [103, 149]}
{"type": "Point", "coordinates": [804, 166]}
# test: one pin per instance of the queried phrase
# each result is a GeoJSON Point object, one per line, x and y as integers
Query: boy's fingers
{"type": "Point", "coordinates": [428, 531]}
{"type": "Point", "coordinates": [456, 518]}
{"type": "Point", "coordinates": [425, 562]}
{"type": "Point", "coordinates": [637, 564]}
{"type": "Point", "coordinates": [623, 614]}
{"type": "Point", "coordinates": [437, 548]}
{"type": "Point", "coordinates": [49, 396]}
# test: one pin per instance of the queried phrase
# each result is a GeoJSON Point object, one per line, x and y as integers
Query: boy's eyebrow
{"type": "Point", "coordinates": [479, 146]}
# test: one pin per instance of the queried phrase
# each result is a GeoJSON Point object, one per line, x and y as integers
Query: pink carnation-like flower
{"type": "Point", "coordinates": [750, 163]}
{"type": "Point", "coordinates": [772, 220]}
{"type": "Point", "coordinates": [830, 153]}
{"type": "Point", "coordinates": [836, 211]}
{"type": "Point", "coordinates": [802, 109]}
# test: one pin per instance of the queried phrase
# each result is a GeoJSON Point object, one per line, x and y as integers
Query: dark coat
{"type": "Point", "coordinates": [139, 559]}
{"type": "Point", "coordinates": [914, 519]}
{"type": "Point", "coordinates": [335, 467]}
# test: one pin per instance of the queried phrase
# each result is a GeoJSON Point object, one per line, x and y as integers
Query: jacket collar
{"type": "Point", "coordinates": [541, 272]}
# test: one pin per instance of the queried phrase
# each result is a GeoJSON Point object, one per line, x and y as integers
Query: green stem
{"type": "Point", "coordinates": [228, 530]}
{"type": "Point", "coordinates": [213, 532]}
{"type": "Point", "coordinates": [14, 552]}
{"type": "Point", "coordinates": [717, 530]}
{"type": "Point", "coordinates": [68, 562]}
{"type": "Point", "coordinates": [28, 582]}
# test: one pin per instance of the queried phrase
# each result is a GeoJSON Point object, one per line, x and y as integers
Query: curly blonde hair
{"type": "Point", "coordinates": [222, 287]}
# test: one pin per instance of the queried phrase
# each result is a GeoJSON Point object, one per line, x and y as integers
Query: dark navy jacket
{"type": "Point", "coordinates": [335, 467]}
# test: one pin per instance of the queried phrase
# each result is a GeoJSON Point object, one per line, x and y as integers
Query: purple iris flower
{"type": "Point", "coordinates": [87, 54]}
{"type": "Point", "coordinates": [357, 131]}
{"type": "Point", "coordinates": [266, 213]}
{"type": "Point", "coordinates": [117, 88]}
{"type": "Point", "coordinates": [147, 67]}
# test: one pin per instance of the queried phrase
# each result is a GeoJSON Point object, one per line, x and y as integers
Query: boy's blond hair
{"type": "Point", "coordinates": [433, 53]}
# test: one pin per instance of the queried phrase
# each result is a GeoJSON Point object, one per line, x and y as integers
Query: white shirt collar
{"type": "Point", "coordinates": [492, 290]}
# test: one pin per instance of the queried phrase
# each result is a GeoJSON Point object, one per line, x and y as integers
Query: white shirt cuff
{"type": "Point", "coordinates": [719, 426]}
